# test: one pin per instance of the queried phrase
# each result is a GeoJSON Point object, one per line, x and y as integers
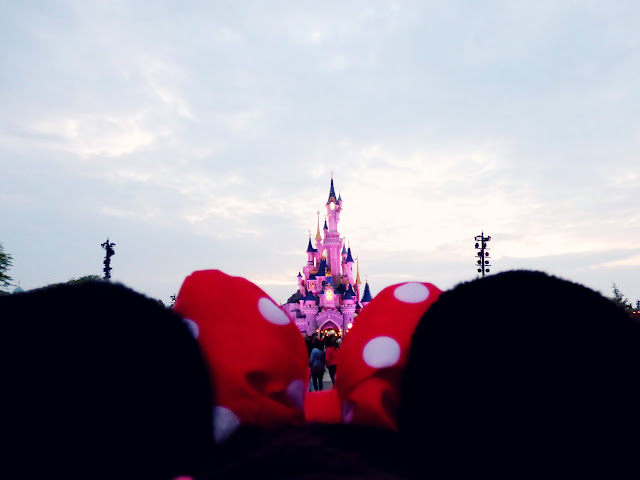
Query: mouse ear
{"type": "Point", "coordinates": [374, 352]}
{"type": "Point", "coordinates": [256, 356]}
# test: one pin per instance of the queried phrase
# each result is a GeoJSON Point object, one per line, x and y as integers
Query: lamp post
{"type": "Point", "coordinates": [107, 259]}
{"type": "Point", "coordinates": [482, 261]}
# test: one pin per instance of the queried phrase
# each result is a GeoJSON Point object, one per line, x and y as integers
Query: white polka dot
{"type": "Point", "coordinates": [271, 312]}
{"type": "Point", "coordinates": [381, 352]}
{"type": "Point", "coordinates": [412, 292]}
{"type": "Point", "coordinates": [347, 412]}
{"type": "Point", "coordinates": [295, 393]}
{"type": "Point", "coordinates": [225, 422]}
{"type": "Point", "coordinates": [193, 327]}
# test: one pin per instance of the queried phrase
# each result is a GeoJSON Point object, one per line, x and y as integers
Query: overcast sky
{"type": "Point", "coordinates": [202, 135]}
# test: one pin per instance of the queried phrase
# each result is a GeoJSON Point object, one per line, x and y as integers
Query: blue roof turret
{"type": "Point", "coordinates": [325, 224]}
{"type": "Point", "coordinates": [299, 275]}
{"type": "Point", "coordinates": [348, 295]}
{"type": "Point", "coordinates": [310, 296]}
{"type": "Point", "coordinates": [344, 249]}
{"type": "Point", "coordinates": [310, 247]}
{"type": "Point", "coordinates": [349, 257]}
{"type": "Point", "coordinates": [330, 282]}
{"type": "Point", "coordinates": [366, 297]}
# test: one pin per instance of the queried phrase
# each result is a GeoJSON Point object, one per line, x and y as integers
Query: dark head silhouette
{"type": "Point", "coordinates": [521, 369]}
{"type": "Point", "coordinates": [100, 382]}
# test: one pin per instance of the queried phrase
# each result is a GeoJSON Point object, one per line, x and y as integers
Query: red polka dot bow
{"type": "Point", "coordinates": [374, 353]}
{"type": "Point", "coordinates": [258, 360]}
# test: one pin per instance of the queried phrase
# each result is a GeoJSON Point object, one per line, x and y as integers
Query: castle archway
{"type": "Point", "coordinates": [330, 328]}
{"type": "Point", "coordinates": [330, 321]}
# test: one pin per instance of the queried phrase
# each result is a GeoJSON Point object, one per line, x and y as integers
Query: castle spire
{"type": "Point", "coordinates": [332, 192]}
{"type": "Point", "coordinates": [358, 282]}
{"type": "Point", "coordinates": [349, 257]}
{"type": "Point", "coordinates": [366, 297]}
{"type": "Point", "coordinates": [318, 236]}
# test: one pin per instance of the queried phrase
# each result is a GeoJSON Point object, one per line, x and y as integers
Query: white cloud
{"type": "Point", "coordinates": [337, 62]}
{"type": "Point", "coordinates": [87, 135]}
{"type": "Point", "coordinates": [317, 37]}
{"type": "Point", "coordinates": [159, 74]}
{"type": "Point", "coordinates": [242, 122]}
{"type": "Point", "coordinates": [117, 212]}
{"type": "Point", "coordinates": [632, 261]}
{"type": "Point", "coordinates": [624, 179]}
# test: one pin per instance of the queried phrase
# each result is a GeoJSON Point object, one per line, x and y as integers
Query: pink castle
{"type": "Point", "coordinates": [328, 292]}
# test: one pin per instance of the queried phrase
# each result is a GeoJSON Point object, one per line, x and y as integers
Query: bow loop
{"type": "Point", "coordinates": [256, 355]}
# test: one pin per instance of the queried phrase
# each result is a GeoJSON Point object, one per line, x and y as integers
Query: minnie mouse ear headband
{"type": "Point", "coordinates": [258, 361]}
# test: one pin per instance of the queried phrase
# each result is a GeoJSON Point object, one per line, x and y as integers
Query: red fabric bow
{"type": "Point", "coordinates": [258, 360]}
{"type": "Point", "coordinates": [374, 353]}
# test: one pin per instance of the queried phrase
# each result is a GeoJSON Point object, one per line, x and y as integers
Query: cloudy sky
{"type": "Point", "coordinates": [202, 135]}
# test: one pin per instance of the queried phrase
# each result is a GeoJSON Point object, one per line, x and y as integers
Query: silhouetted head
{"type": "Point", "coordinates": [101, 382]}
{"type": "Point", "coordinates": [311, 451]}
{"type": "Point", "coordinates": [521, 369]}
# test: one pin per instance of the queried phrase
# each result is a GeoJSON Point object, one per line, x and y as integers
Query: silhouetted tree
{"type": "Point", "coordinates": [5, 264]}
{"type": "Point", "coordinates": [295, 298]}
{"type": "Point", "coordinates": [619, 298]}
{"type": "Point", "coordinates": [84, 279]}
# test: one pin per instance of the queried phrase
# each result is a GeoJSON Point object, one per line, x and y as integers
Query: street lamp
{"type": "Point", "coordinates": [482, 261]}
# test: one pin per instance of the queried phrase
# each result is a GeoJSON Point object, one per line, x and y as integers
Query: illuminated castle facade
{"type": "Point", "coordinates": [328, 293]}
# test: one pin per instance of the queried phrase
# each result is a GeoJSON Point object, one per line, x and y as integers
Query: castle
{"type": "Point", "coordinates": [328, 293]}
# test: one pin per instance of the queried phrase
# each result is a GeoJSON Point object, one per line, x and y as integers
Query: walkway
{"type": "Point", "coordinates": [326, 381]}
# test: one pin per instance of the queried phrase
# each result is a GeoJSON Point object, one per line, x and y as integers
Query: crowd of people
{"type": "Point", "coordinates": [323, 354]}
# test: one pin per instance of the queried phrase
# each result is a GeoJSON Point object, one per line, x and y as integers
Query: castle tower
{"type": "Point", "coordinates": [349, 305]}
{"type": "Point", "coordinates": [332, 241]}
{"type": "Point", "coordinates": [348, 267]}
{"type": "Point", "coordinates": [309, 308]}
